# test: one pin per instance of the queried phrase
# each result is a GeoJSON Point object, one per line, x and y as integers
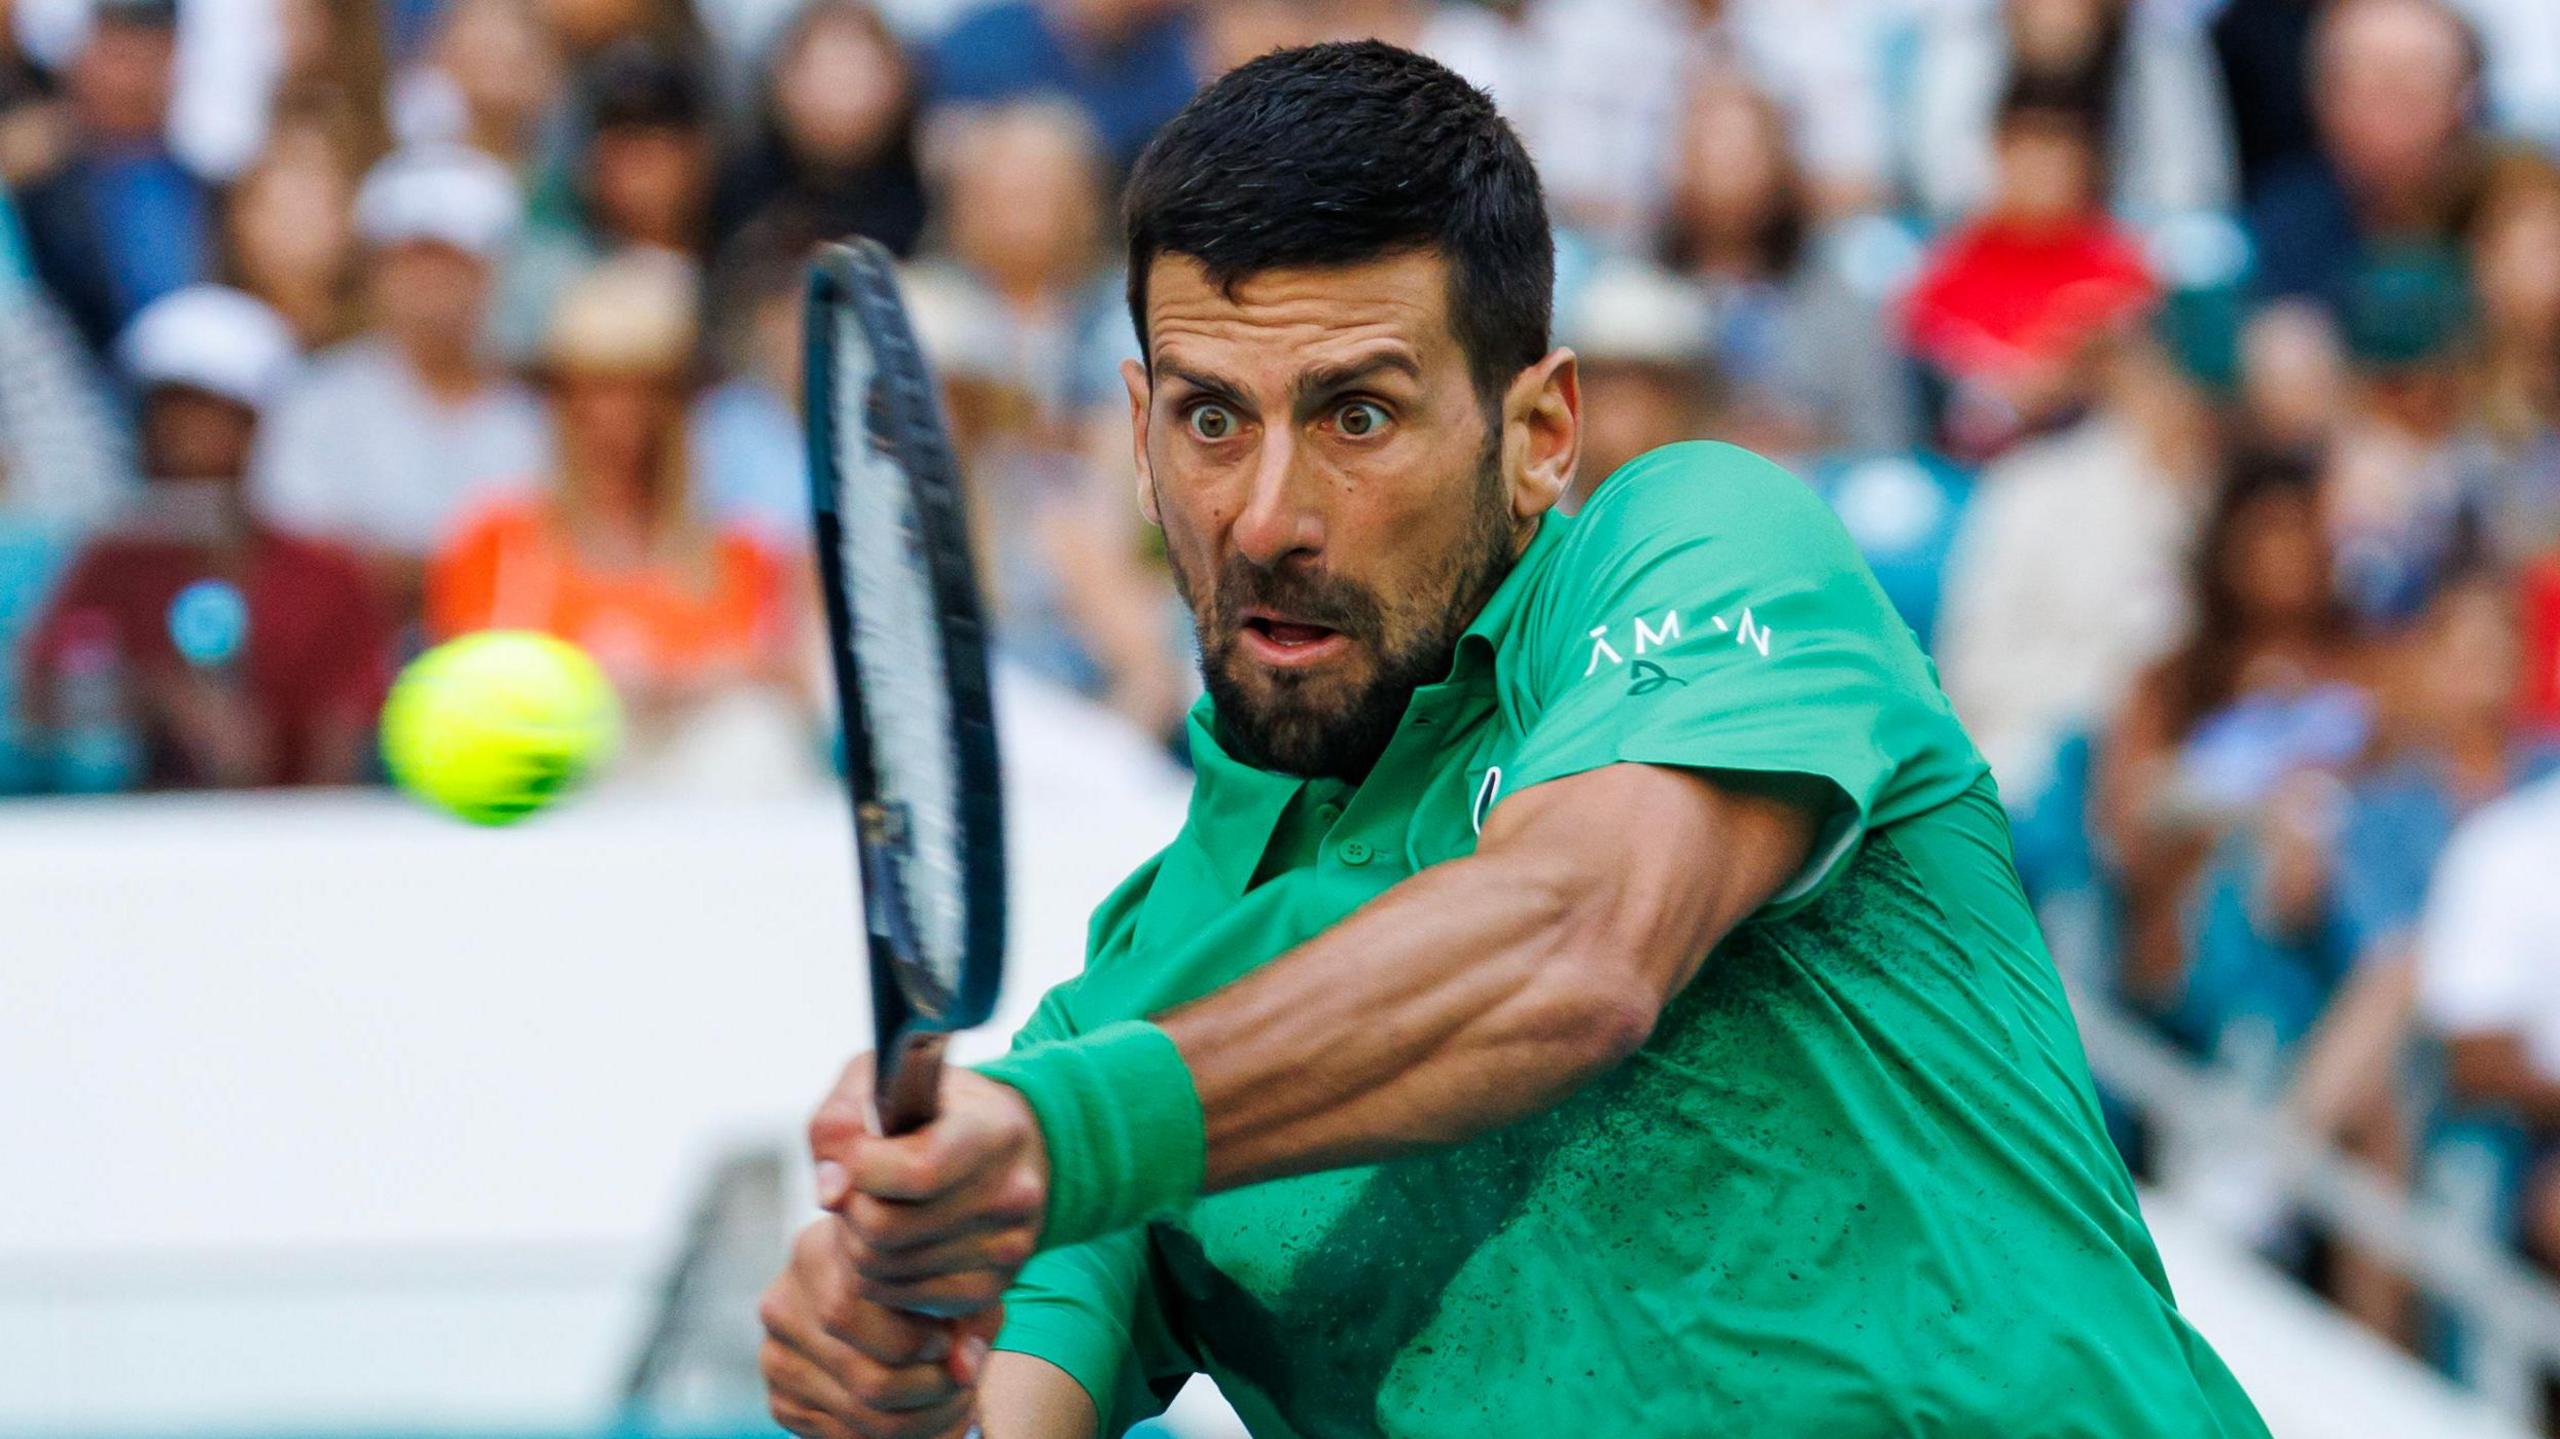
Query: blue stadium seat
{"type": "Point", "coordinates": [1902, 510]}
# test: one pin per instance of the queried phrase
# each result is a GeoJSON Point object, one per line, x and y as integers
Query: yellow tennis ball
{"type": "Point", "coordinates": [493, 726]}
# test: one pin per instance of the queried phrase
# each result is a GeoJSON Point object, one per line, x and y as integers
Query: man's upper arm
{"type": "Point", "coordinates": [1710, 614]}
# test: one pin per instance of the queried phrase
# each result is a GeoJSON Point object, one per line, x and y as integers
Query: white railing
{"type": "Point", "coordinates": [2215, 1121]}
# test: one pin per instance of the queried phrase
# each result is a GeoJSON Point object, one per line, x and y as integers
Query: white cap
{"type": "Point", "coordinates": [1635, 312]}
{"type": "Point", "coordinates": [210, 338]}
{"type": "Point", "coordinates": [450, 194]}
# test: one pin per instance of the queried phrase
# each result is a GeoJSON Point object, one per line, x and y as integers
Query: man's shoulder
{"type": "Point", "coordinates": [1697, 492]}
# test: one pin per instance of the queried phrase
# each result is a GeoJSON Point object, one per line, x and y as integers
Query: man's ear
{"type": "Point", "coordinates": [1542, 433]}
{"type": "Point", "coordinates": [1134, 375]}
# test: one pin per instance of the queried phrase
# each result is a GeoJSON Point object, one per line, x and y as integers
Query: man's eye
{"type": "Point", "coordinates": [1360, 419]}
{"type": "Point", "coordinates": [1212, 423]}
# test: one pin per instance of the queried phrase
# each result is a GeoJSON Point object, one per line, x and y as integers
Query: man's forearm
{"type": "Point", "coordinates": [1488, 988]}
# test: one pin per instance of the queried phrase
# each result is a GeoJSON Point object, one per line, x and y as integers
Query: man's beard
{"type": "Point", "coordinates": [1308, 724]}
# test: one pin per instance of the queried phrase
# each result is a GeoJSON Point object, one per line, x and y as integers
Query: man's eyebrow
{"type": "Point", "coordinates": [1312, 384]}
{"type": "Point", "coordinates": [1217, 385]}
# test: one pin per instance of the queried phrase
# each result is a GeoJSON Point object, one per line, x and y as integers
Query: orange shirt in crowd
{"type": "Point", "coordinates": [512, 567]}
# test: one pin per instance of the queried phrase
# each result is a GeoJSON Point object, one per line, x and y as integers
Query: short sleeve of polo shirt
{"type": "Point", "coordinates": [1707, 611]}
{"type": "Point", "coordinates": [1089, 1308]}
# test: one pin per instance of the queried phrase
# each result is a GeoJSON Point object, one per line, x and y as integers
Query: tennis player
{"type": "Point", "coordinates": [1591, 993]}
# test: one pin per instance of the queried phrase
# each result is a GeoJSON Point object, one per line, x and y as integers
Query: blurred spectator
{"type": "Point", "coordinates": [2007, 301]}
{"type": "Point", "coordinates": [2352, 880]}
{"type": "Point", "coordinates": [1128, 64]}
{"type": "Point", "coordinates": [493, 81]}
{"type": "Point", "coordinates": [750, 459]}
{"type": "Point", "coordinates": [64, 466]}
{"type": "Point", "coordinates": [2306, 922]}
{"type": "Point", "coordinates": [64, 460]}
{"type": "Point", "coordinates": [32, 124]}
{"type": "Point", "coordinates": [833, 152]}
{"type": "Point", "coordinates": [644, 180]}
{"type": "Point", "coordinates": [2398, 514]}
{"type": "Point", "coordinates": [2393, 85]}
{"type": "Point", "coordinates": [685, 615]}
{"type": "Point", "coordinates": [1239, 30]}
{"type": "Point", "coordinates": [1021, 276]}
{"type": "Point", "coordinates": [334, 66]}
{"type": "Point", "coordinates": [1027, 321]}
{"type": "Point", "coordinates": [2489, 981]}
{"type": "Point", "coordinates": [2264, 48]}
{"type": "Point", "coordinates": [2147, 77]}
{"type": "Point", "coordinates": [588, 28]}
{"type": "Point", "coordinates": [2520, 44]}
{"type": "Point", "coordinates": [190, 637]}
{"type": "Point", "coordinates": [1641, 339]}
{"type": "Point", "coordinates": [288, 228]}
{"type": "Point", "coordinates": [389, 438]}
{"type": "Point", "coordinates": [2293, 378]}
{"type": "Point", "coordinates": [1595, 88]}
{"type": "Point", "coordinates": [2512, 454]}
{"type": "Point", "coordinates": [119, 222]}
{"type": "Point", "coordinates": [2068, 576]}
{"type": "Point", "coordinates": [1800, 352]}
{"type": "Point", "coordinates": [2268, 682]}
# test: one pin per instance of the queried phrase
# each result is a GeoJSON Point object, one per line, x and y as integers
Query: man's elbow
{"type": "Point", "coordinates": [1617, 1021]}
{"type": "Point", "coordinates": [1590, 1019]}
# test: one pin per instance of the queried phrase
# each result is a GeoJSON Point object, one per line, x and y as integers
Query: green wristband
{"type": "Point", "coordinates": [1122, 1122]}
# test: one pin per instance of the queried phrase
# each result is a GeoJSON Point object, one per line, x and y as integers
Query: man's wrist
{"type": "Point", "coordinates": [1121, 1120]}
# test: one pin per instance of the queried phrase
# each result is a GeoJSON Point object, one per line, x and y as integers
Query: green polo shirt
{"type": "Point", "coordinates": [1855, 1184]}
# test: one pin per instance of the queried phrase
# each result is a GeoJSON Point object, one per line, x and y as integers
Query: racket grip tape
{"type": "Point", "coordinates": [910, 1092]}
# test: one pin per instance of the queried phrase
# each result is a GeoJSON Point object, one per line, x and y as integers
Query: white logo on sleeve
{"type": "Point", "coordinates": [1647, 633]}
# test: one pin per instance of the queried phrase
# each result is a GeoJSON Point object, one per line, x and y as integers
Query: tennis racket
{"type": "Point", "coordinates": [908, 641]}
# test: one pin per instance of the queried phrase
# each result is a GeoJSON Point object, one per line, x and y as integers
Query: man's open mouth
{"type": "Point", "coordinates": [1282, 641]}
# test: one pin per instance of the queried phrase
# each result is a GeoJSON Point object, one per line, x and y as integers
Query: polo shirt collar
{"type": "Point", "coordinates": [1507, 608]}
{"type": "Point", "coordinates": [1235, 806]}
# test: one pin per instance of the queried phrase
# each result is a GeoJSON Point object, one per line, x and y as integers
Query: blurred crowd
{"type": "Point", "coordinates": [2188, 369]}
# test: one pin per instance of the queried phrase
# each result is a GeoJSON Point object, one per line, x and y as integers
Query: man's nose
{"type": "Point", "coordinates": [1280, 516]}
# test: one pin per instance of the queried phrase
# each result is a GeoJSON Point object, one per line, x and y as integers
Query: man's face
{"type": "Point", "coordinates": [428, 298]}
{"type": "Point", "coordinates": [119, 83]}
{"type": "Point", "coordinates": [1336, 501]}
{"type": "Point", "coordinates": [650, 182]}
{"type": "Point", "coordinates": [2390, 92]}
{"type": "Point", "coordinates": [189, 434]}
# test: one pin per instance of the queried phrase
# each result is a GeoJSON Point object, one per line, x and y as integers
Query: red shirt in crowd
{"type": "Point", "coordinates": [311, 671]}
{"type": "Point", "coordinates": [1999, 297]}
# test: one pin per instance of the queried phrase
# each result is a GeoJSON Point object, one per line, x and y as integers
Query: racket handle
{"type": "Point", "coordinates": [911, 1092]}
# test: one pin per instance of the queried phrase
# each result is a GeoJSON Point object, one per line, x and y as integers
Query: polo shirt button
{"type": "Point", "coordinates": [1326, 814]}
{"type": "Point", "coordinates": [1355, 852]}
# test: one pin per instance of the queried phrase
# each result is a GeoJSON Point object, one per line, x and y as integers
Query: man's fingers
{"type": "Point", "coordinates": [842, 1121]}
{"type": "Point", "coordinates": [999, 1198]}
{"type": "Point", "coordinates": [804, 1421]}
{"type": "Point", "coordinates": [791, 1376]}
{"type": "Point", "coordinates": [974, 1338]}
{"type": "Point", "coordinates": [848, 1381]}
{"type": "Point", "coordinates": [821, 1295]}
{"type": "Point", "coordinates": [950, 1295]}
{"type": "Point", "coordinates": [1004, 1251]}
{"type": "Point", "coordinates": [935, 1160]}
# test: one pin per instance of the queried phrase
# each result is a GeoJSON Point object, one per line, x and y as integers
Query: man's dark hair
{"type": "Point", "coordinates": [1342, 153]}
